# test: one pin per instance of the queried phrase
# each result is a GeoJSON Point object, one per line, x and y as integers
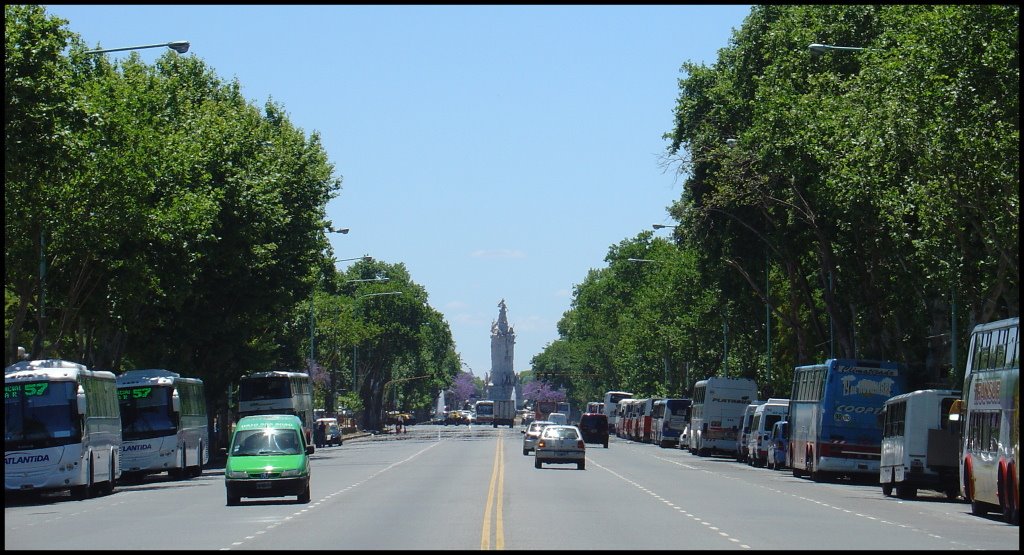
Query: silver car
{"type": "Point", "coordinates": [560, 445]}
{"type": "Point", "coordinates": [531, 434]}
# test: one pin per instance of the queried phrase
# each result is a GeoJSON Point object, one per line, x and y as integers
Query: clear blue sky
{"type": "Point", "coordinates": [497, 151]}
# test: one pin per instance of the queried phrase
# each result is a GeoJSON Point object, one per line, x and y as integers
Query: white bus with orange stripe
{"type": "Point", "coordinates": [990, 442]}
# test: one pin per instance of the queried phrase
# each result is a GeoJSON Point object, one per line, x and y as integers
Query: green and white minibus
{"type": "Point", "coordinates": [62, 428]}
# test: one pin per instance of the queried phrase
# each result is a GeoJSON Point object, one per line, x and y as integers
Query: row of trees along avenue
{"type": "Point", "coordinates": [856, 203]}
{"type": "Point", "coordinates": [155, 218]}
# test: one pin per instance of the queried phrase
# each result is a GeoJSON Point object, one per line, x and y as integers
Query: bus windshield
{"type": "Point", "coordinates": [146, 412]}
{"type": "Point", "coordinates": [264, 388]}
{"type": "Point", "coordinates": [40, 414]}
{"type": "Point", "coordinates": [678, 407]}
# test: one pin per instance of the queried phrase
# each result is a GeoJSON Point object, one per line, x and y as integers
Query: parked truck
{"type": "Point", "coordinates": [504, 413]}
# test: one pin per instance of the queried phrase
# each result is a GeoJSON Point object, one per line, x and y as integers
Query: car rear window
{"type": "Point", "coordinates": [561, 433]}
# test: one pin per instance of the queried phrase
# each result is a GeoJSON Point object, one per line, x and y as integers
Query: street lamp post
{"type": "Point", "coordinates": [179, 46]}
{"type": "Point", "coordinates": [820, 49]}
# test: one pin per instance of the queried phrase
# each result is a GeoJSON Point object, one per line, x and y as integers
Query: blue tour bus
{"type": "Point", "coordinates": [834, 409]}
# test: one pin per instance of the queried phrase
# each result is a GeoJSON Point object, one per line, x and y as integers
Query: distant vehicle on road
{"type": "Point", "coordinates": [532, 433]}
{"type": "Point", "coordinates": [669, 418]}
{"type": "Point", "coordinates": [919, 444]}
{"type": "Point", "coordinates": [765, 416]}
{"type": "Point", "coordinates": [778, 441]}
{"type": "Point", "coordinates": [718, 404]}
{"type": "Point", "coordinates": [504, 413]}
{"type": "Point", "coordinates": [541, 409]}
{"type": "Point", "coordinates": [611, 405]}
{"type": "Point", "coordinates": [594, 427]}
{"type": "Point", "coordinates": [483, 412]}
{"type": "Point", "coordinates": [278, 392]}
{"type": "Point", "coordinates": [559, 418]}
{"type": "Point", "coordinates": [560, 445]}
{"type": "Point", "coordinates": [834, 409]}
{"type": "Point", "coordinates": [332, 432]}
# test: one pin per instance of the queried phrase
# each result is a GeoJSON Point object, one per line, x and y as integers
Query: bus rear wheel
{"type": "Point", "coordinates": [1008, 500]}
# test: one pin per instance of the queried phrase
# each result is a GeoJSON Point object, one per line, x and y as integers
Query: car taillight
{"type": "Point", "coordinates": [540, 443]}
{"type": "Point", "coordinates": [580, 444]}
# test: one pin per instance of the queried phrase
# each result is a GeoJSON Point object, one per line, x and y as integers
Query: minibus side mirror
{"type": "Point", "coordinates": [80, 399]}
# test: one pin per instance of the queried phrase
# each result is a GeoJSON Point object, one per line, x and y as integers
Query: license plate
{"type": "Point", "coordinates": [263, 485]}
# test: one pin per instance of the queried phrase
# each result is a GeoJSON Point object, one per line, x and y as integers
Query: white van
{"type": "Point", "coordinates": [919, 444]}
{"type": "Point", "coordinates": [558, 418]}
{"type": "Point", "coordinates": [744, 431]}
{"type": "Point", "coordinates": [765, 416]}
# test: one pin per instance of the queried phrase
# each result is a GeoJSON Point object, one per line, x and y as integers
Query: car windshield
{"type": "Point", "coordinates": [266, 442]}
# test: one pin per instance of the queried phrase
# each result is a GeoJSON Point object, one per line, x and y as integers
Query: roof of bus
{"type": "Point", "coordinates": [152, 376]}
{"type": "Point", "coordinates": [920, 392]}
{"type": "Point", "coordinates": [274, 373]}
{"type": "Point", "coordinates": [998, 324]}
{"type": "Point", "coordinates": [52, 368]}
{"type": "Point", "coordinates": [719, 379]}
{"type": "Point", "coordinates": [268, 421]}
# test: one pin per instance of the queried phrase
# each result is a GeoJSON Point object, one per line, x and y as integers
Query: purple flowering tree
{"type": "Point", "coordinates": [463, 388]}
{"type": "Point", "coordinates": [539, 390]}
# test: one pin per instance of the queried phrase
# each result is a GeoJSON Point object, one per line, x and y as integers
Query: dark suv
{"type": "Point", "coordinates": [595, 428]}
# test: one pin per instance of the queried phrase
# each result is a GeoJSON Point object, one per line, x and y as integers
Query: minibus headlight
{"type": "Point", "coordinates": [237, 474]}
{"type": "Point", "coordinates": [291, 472]}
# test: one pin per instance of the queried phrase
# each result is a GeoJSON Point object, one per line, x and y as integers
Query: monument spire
{"type": "Point", "coordinates": [503, 339]}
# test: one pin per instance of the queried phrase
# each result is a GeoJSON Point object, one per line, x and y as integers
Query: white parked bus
{"type": "Point", "coordinates": [919, 444]}
{"type": "Point", "coordinates": [611, 403]}
{"type": "Point", "coordinates": [164, 426]}
{"type": "Point", "coordinates": [765, 416]}
{"type": "Point", "coordinates": [718, 404]}
{"type": "Point", "coordinates": [278, 392]}
{"type": "Point", "coordinates": [62, 428]}
{"type": "Point", "coordinates": [988, 414]}
{"type": "Point", "coordinates": [669, 418]}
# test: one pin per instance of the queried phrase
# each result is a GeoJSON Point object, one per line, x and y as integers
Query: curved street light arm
{"type": "Point", "coordinates": [179, 46]}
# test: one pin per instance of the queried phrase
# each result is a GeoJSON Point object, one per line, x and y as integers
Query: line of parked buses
{"type": "Point", "coordinates": [67, 427]}
{"type": "Point", "coordinates": [854, 418]}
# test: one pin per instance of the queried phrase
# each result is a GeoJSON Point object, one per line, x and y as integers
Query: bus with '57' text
{"type": "Point", "coordinates": [989, 418]}
{"type": "Point", "coordinates": [62, 428]}
{"type": "Point", "coordinates": [164, 426]}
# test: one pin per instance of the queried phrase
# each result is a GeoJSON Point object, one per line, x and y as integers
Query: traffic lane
{"type": "Point", "coordinates": [865, 516]}
{"type": "Point", "coordinates": [424, 493]}
{"type": "Point", "coordinates": [560, 507]}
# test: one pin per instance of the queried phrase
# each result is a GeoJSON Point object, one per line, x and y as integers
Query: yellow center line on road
{"type": "Point", "coordinates": [494, 498]}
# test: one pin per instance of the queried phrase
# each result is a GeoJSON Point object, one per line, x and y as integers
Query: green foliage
{"type": "Point", "coordinates": [181, 223]}
{"type": "Point", "coordinates": [861, 191]}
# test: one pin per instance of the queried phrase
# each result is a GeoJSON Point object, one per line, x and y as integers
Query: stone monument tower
{"type": "Point", "coordinates": [503, 340]}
